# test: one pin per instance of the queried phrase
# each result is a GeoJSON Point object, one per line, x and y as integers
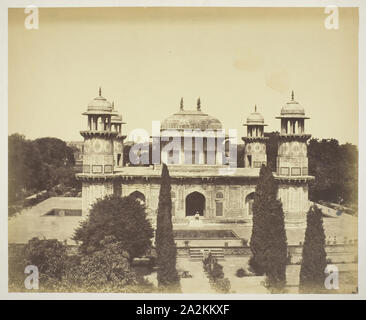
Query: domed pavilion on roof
{"type": "Point", "coordinates": [192, 137]}
{"type": "Point", "coordinates": [255, 141]}
{"type": "Point", "coordinates": [191, 119]}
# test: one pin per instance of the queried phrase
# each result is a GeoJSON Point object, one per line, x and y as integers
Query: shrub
{"type": "Point", "coordinates": [215, 274]}
{"type": "Point", "coordinates": [222, 285]}
{"type": "Point", "coordinates": [49, 256]}
{"type": "Point", "coordinates": [106, 269]}
{"type": "Point", "coordinates": [240, 273]}
{"type": "Point", "coordinates": [208, 262]}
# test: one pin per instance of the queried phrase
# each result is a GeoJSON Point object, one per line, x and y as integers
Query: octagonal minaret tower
{"type": "Point", "coordinates": [98, 159]}
{"type": "Point", "coordinates": [116, 124]}
{"type": "Point", "coordinates": [255, 142]}
{"type": "Point", "coordinates": [292, 162]}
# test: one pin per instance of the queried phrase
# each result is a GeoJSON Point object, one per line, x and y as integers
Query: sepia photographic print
{"type": "Point", "coordinates": [182, 150]}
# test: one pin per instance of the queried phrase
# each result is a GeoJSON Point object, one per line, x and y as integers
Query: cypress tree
{"type": "Point", "coordinates": [276, 255]}
{"type": "Point", "coordinates": [314, 258]}
{"type": "Point", "coordinates": [263, 196]}
{"type": "Point", "coordinates": [166, 250]}
{"type": "Point", "coordinates": [268, 241]}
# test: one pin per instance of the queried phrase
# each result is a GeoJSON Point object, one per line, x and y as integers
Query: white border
{"type": "Point", "coordinates": [174, 3]}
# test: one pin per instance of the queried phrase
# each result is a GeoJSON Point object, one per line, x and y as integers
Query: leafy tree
{"type": "Point", "coordinates": [314, 258]}
{"type": "Point", "coordinates": [268, 240]}
{"type": "Point", "coordinates": [17, 168]}
{"type": "Point", "coordinates": [349, 169]}
{"type": "Point", "coordinates": [107, 269]}
{"type": "Point", "coordinates": [57, 163]}
{"type": "Point", "coordinates": [38, 165]}
{"type": "Point", "coordinates": [24, 167]}
{"type": "Point", "coordinates": [64, 176]}
{"type": "Point", "coordinates": [124, 218]}
{"type": "Point", "coordinates": [165, 246]}
{"type": "Point", "coordinates": [55, 152]}
{"type": "Point", "coordinates": [49, 255]}
{"type": "Point", "coordinates": [335, 168]}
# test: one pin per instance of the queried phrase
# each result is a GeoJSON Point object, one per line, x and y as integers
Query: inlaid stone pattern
{"type": "Point", "coordinates": [292, 149]}
{"type": "Point", "coordinates": [93, 191]}
{"type": "Point", "coordinates": [117, 146]}
{"type": "Point", "coordinates": [292, 158]}
{"type": "Point", "coordinates": [98, 145]}
{"type": "Point", "coordinates": [294, 200]}
{"type": "Point", "coordinates": [255, 147]}
{"type": "Point", "coordinates": [255, 154]}
{"type": "Point", "coordinates": [98, 156]}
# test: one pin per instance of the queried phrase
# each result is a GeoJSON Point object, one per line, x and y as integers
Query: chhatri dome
{"type": "Point", "coordinates": [99, 105]}
{"type": "Point", "coordinates": [191, 119]}
{"type": "Point", "coordinates": [116, 117]}
{"type": "Point", "coordinates": [255, 118]}
{"type": "Point", "coordinates": [292, 109]}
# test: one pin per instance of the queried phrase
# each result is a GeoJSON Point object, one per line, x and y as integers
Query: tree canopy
{"type": "Point", "coordinates": [49, 255]}
{"type": "Point", "coordinates": [335, 168]}
{"type": "Point", "coordinates": [38, 165]}
{"type": "Point", "coordinates": [123, 218]}
{"type": "Point", "coordinates": [107, 269]}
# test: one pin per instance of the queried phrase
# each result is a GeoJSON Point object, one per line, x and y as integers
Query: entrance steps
{"type": "Point", "coordinates": [198, 254]}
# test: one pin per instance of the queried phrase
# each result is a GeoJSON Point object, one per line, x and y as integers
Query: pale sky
{"type": "Point", "coordinates": [147, 59]}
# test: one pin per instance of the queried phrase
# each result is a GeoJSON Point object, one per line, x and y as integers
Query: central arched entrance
{"type": "Point", "coordinates": [195, 204]}
{"type": "Point", "coordinates": [139, 196]}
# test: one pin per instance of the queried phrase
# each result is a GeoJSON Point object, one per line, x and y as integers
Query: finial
{"type": "Point", "coordinates": [100, 91]}
{"type": "Point", "coordinates": [255, 108]}
{"type": "Point", "coordinates": [181, 104]}
{"type": "Point", "coordinates": [199, 104]}
{"type": "Point", "coordinates": [292, 95]}
{"type": "Point", "coordinates": [112, 105]}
